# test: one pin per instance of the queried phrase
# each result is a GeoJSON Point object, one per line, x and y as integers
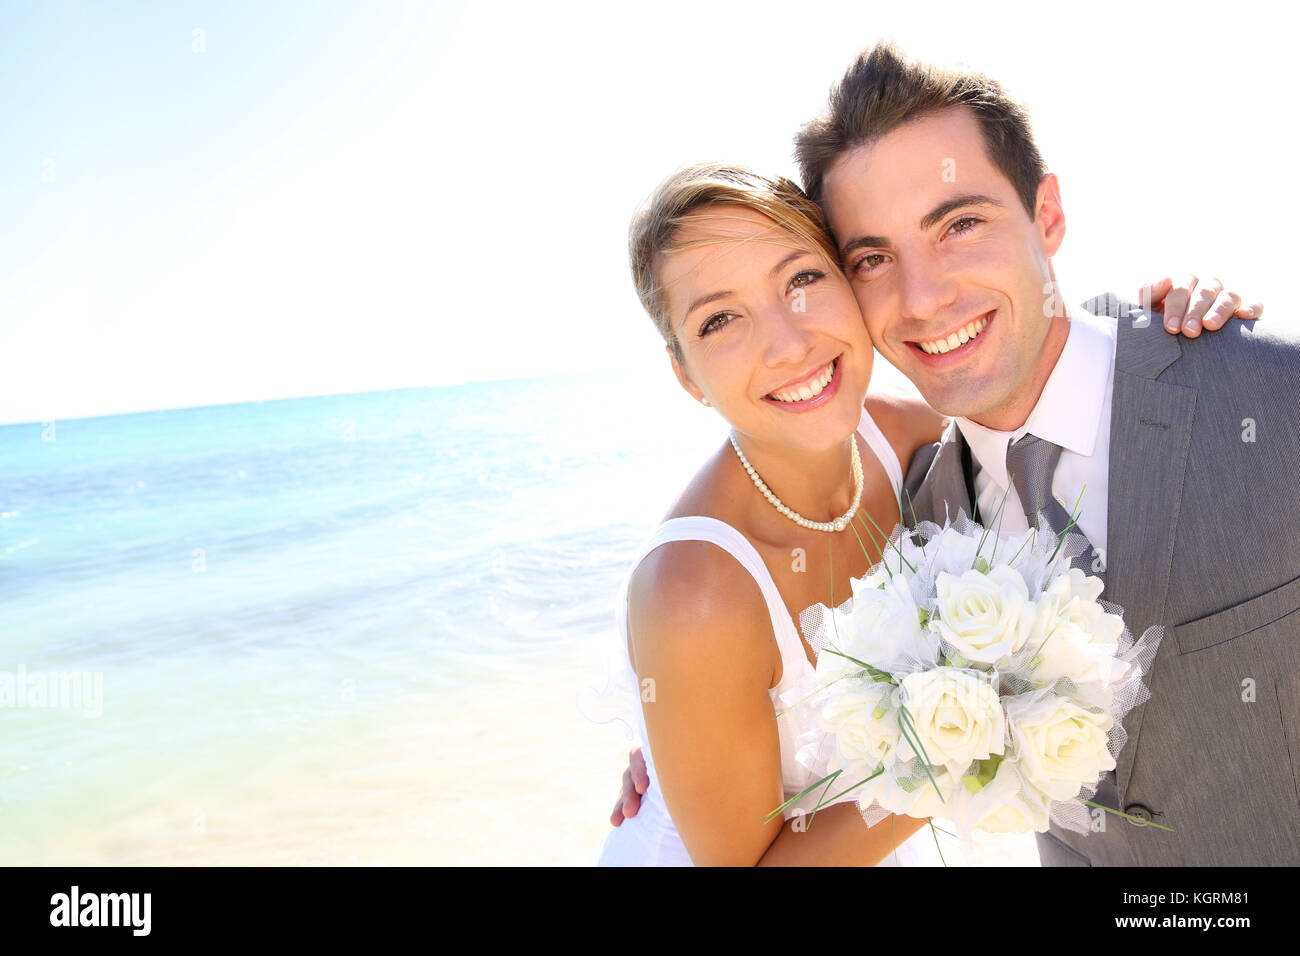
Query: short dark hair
{"type": "Point", "coordinates": [882, 90]}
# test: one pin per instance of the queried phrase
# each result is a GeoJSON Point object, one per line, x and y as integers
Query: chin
{"type": "Point", "coordinates": [955, 402]}
{"type": "Point", "coordinates": [829, 431]}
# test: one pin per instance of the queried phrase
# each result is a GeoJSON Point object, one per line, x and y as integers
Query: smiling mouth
{"type": "Point", "coordinates": [808, 390]}
{"type": "Point", "coordinates": [955, 340]}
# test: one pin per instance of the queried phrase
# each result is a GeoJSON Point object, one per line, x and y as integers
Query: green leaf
{"type": "Point", "coordinates": [998, 518]}
{"type": "Point", "coordinates": [986, 770]}
{"type": "Point", "coordinates": [875, 673]}
{"type": "Point", "coordinates": [852, 788]}
{"type": "Point", "coordinates": [894, 544]}
{"type": "Point", "coordinates": [799, 796]}
{"type": "Point", "coordinates": [914, 521]}
{"type": "Point", "coordinates": [866, 554]}
{"type": "Point", "coordinates": [934, 832]}
{"type": "Point", "coordinates": [910, 734]}
{"type": "Point", "coordinates": [888, 570]}
{"type": "Point", "coordinates": [1074, 514]}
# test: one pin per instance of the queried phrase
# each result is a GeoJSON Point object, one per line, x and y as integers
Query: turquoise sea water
{"type": "Point", "coordinates": [240, 587]}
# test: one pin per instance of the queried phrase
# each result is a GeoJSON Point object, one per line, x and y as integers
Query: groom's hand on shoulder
{"type": "Point", "coordinates": [1196, 305]}
{"type": "Point", "coordinates": [635, 782]}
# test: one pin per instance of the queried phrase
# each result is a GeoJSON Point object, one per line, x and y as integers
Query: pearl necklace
{"type": "Point", "coordinates": [840, 523]}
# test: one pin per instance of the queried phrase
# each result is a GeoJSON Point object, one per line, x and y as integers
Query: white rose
{"type": "Point", "coordinates": [883, 629]}
{"type": "Point", "coordinates": [1073, 636]}
{"type": "Point", "coordinates": [954, 552]}
{"type": "Point", "coordinates": [864, 723]}
{"type": "Point", "coordinates": [1060, 746]}
{"type": "Point", "coordinates": [957, 717]}
{"type": "Point", "coordinates": [902, 551]}
{"type": "Point", "coordinates": [984, 617]}
{"type": "Point", "coordinates": [926, 800]}
{"type": "Point", "coordinates": [916, 796]}
{"type": "Point", "coordinates": [1014, 817]}
{"type": "Point", "coordinates": [1004, 805]}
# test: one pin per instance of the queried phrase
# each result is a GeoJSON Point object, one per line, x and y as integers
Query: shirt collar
{"type": "Point", "coordinates": [1069, 410]}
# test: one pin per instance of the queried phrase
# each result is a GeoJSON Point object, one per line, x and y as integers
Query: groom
{"type": "Point", "coordinates": [1182, 455]}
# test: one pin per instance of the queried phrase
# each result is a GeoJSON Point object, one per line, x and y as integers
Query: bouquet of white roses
{"type": "Point", "coordinates": [971, 677]}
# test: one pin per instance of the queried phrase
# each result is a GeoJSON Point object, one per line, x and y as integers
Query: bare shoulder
{"type": "Point", "coordinates": [691, 603]}
{"type": "Point", "coordinates": [907, 421]}
{"type": "Point", "coordinates": [708, 491]}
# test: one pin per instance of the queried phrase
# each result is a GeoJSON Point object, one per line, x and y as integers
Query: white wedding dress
{"type": "Point", "coordinates": [649, 838]}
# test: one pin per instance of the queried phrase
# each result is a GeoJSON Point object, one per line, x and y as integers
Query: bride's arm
{"type": "Point", "coordinates": [843, 839]}
{"type": "Point", "coordinates": [702, 637]}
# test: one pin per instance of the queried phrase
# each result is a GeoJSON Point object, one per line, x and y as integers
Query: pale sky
{"type": "Point", "coordinates": [219, 202]}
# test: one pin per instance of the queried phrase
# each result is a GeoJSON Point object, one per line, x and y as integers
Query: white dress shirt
{"type": "Point", "coordinates": [1073, 412]}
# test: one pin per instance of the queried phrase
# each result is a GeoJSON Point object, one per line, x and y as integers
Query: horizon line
{"type": "Point", "coordinates": [292, 398]}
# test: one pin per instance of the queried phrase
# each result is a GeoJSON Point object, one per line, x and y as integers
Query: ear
{"type": "Point", "coordinates": [685, 381]}
{"type": "Point", "coordinates": [1049, 215]}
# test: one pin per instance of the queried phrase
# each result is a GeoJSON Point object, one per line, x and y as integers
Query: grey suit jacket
{"type": "Point", "coordinates": [1203, 530]}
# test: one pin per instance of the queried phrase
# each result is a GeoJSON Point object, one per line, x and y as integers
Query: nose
{"type": "Point", "coordinates": [926, 287]}
{"type": "Point", "coordinates": [787, 338]}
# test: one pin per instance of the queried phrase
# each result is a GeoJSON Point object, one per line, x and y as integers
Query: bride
{"type": "Point", "coordinates": [740, 276]}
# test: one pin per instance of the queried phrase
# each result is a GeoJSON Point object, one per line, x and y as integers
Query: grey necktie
{"type": "Point", "coordinates": [1031, 463]}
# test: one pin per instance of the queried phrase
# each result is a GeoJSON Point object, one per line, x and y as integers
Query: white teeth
{"type": "Point", "coordinates": [810, 390]}
{"type": "Point", "coordinates": [956, 339]}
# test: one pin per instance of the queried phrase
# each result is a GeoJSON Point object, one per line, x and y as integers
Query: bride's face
{"type": "Point", "coordinates": [770, 334]}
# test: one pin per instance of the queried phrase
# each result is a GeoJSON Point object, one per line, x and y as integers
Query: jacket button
{"type": "Point", "coordinates": [1140, 814]}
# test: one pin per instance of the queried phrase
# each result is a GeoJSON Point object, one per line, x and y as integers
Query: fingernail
{"type": "Point", "coordinates": [1171, 323]}
{"type": "Point", "coordinates": [1192, 325]}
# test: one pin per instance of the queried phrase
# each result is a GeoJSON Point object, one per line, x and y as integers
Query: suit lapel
{"type": "Point", "coordinates": [949, 486]}
{"type": "Point", "coordinates": [1150, 434]}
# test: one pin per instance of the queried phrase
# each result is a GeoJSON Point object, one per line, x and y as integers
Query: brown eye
{"type": "Point", "coordinates": [806, 278]}
{"type": "Point", "coordinates": [714, 322]}
{"type": "Point", "coordinates": [870, 261]}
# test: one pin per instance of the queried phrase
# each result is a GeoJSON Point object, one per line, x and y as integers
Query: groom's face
{"type": "Point", "coordinates": [951, 272]}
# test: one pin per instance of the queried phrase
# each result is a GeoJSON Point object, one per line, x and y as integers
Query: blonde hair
{"type": "Point", "coordinates": [653, 233]}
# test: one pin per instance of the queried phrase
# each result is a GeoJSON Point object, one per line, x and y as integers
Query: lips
{"type": "Point", "coordinates": [809, 386]}
{"type": "Point", "coordinates": [809, 391]}
{"type": "Point", "coordinates": [957, 343]}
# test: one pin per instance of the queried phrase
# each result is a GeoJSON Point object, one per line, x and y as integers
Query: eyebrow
{"type": "Point", "coordinates": [928, 221]}
{"type": "Point", "coordinates": [715, 296]}
{"type": "Point", "coordinates": [704, 300]}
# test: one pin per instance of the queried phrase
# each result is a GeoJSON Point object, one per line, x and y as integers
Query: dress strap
{"type": "Point", "coordinates": [884, 451]}
{"type": "Point", "coordinates": [714, 531]}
